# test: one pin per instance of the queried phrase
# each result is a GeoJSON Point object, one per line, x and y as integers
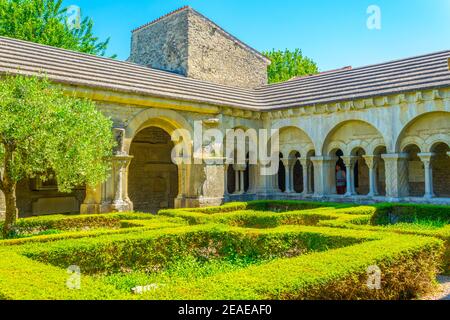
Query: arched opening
{"type": "Point", "coordinates": [440, 163]}
{"type": "Point", "coordinates": [297, 173]}
{"type": "Point", "coordinates": [340, 172]}
{"type": "Point", "coordinates": [231, 180]}
{"type": "Point", "coordinates": [247, 174]}
{"type": "Point", "coordinates": [361, 172]}
{"type": "Point", "coordinates": [416, 171]}
{"type": "Point", "coordinates": [281, 175]}
{"type": "Point", "coordinates": [380, 170]}
{"type": "Point", "coordinates": [310, 168]}
{"type": "Point", "coordinates": [153, 177]}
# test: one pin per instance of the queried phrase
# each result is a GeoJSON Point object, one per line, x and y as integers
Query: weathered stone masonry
{"type": "Point", "coordinates": [387, 126]}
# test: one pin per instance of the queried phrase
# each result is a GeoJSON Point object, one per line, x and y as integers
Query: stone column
{"type": "Point", "coordinates": [239, 174]}
{"type": "Point", "coordinates": [214, 186]}
{"type": "Point", "coordinates": [349, 162]}
{"type": "Point", "coordinates": [121, 202]}
{"type": "Point", "coordinates": [397, 184]}
{"type": "Point", "coordinates": [287, 167]}
{"type": "Point", "coordinates": [236, 181]}
{"type": "Point", "coordinates": [372, 162]}
{"type": "Point", "coordinates": [323, 175]}
{"type": "Point", "coordinates": [426, 159]}
{"type": "Point", "coordinates": [93, 200]}
{"type": "Point", "coordinates": [304, 163]}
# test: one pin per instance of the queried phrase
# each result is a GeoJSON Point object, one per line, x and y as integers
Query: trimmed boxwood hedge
{"type": "Point", "coordinates": [304, 251]}
{"type": "Point", "coordinates": [408, 265]}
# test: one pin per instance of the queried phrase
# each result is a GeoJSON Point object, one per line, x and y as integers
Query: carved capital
{"type": "Point", "coordinates": [371, 161]}
{"type": "Point", "coordinates": [426, 158]}
{"type": "Point", "coordinates": [349, 161]}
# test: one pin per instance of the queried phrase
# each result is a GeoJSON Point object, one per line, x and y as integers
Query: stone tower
{"type": "Point", "coordinates": [187, 43]}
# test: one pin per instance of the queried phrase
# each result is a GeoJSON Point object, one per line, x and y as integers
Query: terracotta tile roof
{"type": "Point", "coordinates": [63, 66]}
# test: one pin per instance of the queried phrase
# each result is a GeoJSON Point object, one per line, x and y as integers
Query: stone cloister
{"type": "Point", "coordinates": [383, 129]}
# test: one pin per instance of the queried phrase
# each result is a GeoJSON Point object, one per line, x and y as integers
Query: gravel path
{"type": "Point", "coordinates": [444, 291]}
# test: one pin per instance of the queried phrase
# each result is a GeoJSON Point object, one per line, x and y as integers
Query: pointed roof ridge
{"type": "Point", "coordinates": [161, 18]}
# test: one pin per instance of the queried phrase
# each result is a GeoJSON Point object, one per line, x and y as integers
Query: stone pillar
{"type": "Point", "coordinates": [239, 174]}
{"type": "Point", "coordinates": [397, 184]}
{"type": "Point", "coordinates": [111, 195]}
{"type": "Point", "coordinates": [324, 175]}
{"type": "Point", "coordinates": [213, 189]}
{"type": "Point", "coordinates": [349, 162]}
{"type": "Point", "coordinates": [287, 167]}
{"type": "Point", "coordinates": [93, 200]}
{"type": "Point", "coordinates": [121, 200]}
{"type": "Point", "coordinates": [242, 182]}
{"type": "Point", "coordinates": [236, 181]}
{"type": "Point", "coordinates": [304, 163]}
{"type": "Point", "coordinates": [426, 159]}
{"type": "Point", "coordinates": [372, 162]}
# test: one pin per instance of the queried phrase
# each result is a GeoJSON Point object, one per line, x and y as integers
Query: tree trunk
{"type": "Point", "coordinates": [11, 211]}
{"type": "Point", "coordinates": [8, 186]}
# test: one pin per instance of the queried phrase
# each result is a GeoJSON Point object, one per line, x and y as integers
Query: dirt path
{"type": "Point", "coordinates": [444, 291]}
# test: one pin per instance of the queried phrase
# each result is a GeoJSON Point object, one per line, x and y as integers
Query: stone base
{"type": "Point", "coordinates": [106, 208]}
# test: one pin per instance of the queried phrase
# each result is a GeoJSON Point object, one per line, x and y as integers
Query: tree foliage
{"type": "Point", "coordinates": [45, 132]}
{"type": "Point", "coordinates": [289, 64]}
{"type": "Point", "coordinates": [44, 21]}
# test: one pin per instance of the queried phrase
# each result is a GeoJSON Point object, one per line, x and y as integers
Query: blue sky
{"type": "Point", "coordinates": [332, 32]}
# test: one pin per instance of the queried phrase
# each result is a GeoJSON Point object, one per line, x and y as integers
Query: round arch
{"type": "Point", "coordinates": [167, 120]}
{"type": "Point", "coordinates": [425, 130]}
{"type": "Point", "coordinates": [352, 134]}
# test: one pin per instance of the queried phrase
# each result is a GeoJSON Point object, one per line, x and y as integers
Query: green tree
{"type": "Point", "coordinates": [287, 65]}
{"type": "Point", "coordinates": [44, 132]}
{"type": "Point", "coordinates": [45, 22]}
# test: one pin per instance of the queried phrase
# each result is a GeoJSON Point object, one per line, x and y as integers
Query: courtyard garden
{"type": "Point", "coordinates": [260, 250]}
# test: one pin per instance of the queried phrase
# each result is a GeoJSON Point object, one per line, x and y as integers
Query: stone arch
{"type": "Point", "coordinates": [425, 130]}
{"type": "Point", "coordinates": [351, 134]}
{"type": "Point", "coordinates": [153, 179]}
{"type": "Point", "coordinates": [167, 120]}
{"type": "Point", "coordinates": [293, 139]}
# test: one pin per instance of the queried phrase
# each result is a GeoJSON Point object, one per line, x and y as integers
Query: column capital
{"type": "Point", "coordinates": [371, 160]}
{"type": "Point", "coordinates": [349, 161]}
{"type": "Point", "coordinates": [239, 167]}
{"type": "Point", "coordinates": [395, 156]}
{"type": "Point", "coordinates": [303, 161]}
{"type": "Point", "coordinates": [321, 159]}
{"type": "Point", "coordinates": [288, 161]}
{"type": "Point", "coordinates": [426, 156]}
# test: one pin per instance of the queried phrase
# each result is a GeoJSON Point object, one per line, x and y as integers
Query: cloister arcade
{"type": "Point", "coordinates": [415, 165]}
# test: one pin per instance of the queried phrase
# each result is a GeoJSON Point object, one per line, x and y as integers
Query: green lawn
{"type": "Point", "coordinates": [256, 250]}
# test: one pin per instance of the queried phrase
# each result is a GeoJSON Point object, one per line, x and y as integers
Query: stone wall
{"type": "Point", "coordinates": [163, 45]}
{"type": "Point", "coordinates": [189, 44]}
{"type": "Point", "coordinates": [214, 56]}
{"type": "Point", "coordinates": [33, 199]}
